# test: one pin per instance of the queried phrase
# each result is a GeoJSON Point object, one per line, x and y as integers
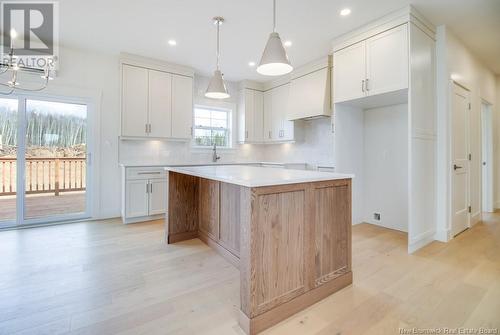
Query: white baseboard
{"type": "Point", "coordinates": [420, 241]}
{"type": "Point", "coordinates": [475, 218]}
{"type": "Point", "coordinates": [442, 235]}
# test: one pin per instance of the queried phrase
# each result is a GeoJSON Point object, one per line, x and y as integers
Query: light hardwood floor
{"type": "Point", "coordinates": [108, 278]}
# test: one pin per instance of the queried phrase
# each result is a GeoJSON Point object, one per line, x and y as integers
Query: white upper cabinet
{"type": "Point", "coordinates": [134, 101]}
{"type": "Point", "coordinates": [349, 73]}
{"type": "Point", "coordinates": [160, 107]}
{"type": "Point", "coordinates": [155, 102]}
{"type": "Point", "coordinates": [276, 126]}
{"type": "Point", "coordinates": [268, 117]}
{"type": "Point", "coordinates": [387, 61]}
{"type": "Point", "coordinates": [251, 116]}
{"type": "Point", "coordinates": [374, 66]}
{"type": "Point", "coordinates": [182, 107]}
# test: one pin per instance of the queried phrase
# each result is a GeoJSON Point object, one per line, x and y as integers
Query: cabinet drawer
{"type": "Point", "coordinates": [146, 173]}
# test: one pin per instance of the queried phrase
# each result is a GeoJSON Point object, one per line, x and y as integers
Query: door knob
{"type": "Point", "coordinates": [484, 163]}
{"type": "Point", "coordinates": [456, 167]}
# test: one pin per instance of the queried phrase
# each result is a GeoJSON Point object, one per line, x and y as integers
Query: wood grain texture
{"type": "Point", "coordinates": [182, 204]}
{"type": "Point", "coordinates": [208, 192]}
{"type": "Point", "coordinates": [332, 225]}
{"type": "Point", "coordinates": [278, 259]}
{"type": "Point", "coordinates": [272, 317]}
{"type": "Point", "coordinates": [109, 278]}
{"type": "Point", "coordinates": [247, 215]}
{"type": "Point", "coordinates": [229, 229]}
{"type": "Point", "coordinates": [229, 256]}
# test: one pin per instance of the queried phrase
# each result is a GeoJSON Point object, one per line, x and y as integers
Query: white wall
{"type": "Point", "coordinates": [314, 144]}
{"type": "Point", "coordinates": [349, 153]}
{"type": "Point", "coordinates": [455, 62]}
{"type": "Point", "coordinates": [386, 166]}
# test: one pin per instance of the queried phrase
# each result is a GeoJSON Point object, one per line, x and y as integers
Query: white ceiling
{"type": "Point", "coordinates": [144, 27]}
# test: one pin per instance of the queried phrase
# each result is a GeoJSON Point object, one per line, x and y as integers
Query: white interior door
{"type": "Point", "coordinates": [487, 157]}
{"type": "Point", "coordinates": [460, 160]}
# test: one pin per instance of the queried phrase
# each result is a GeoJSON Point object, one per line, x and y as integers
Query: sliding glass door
{"type": "Point", "coordinates": [49, 156]}
{"type": "Point", "coordinates": [8, 160]}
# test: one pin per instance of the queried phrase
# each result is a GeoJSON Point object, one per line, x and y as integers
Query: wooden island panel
{"type": "Point", "coordinates": [278, 253]}
{"type": "Point", "coordinates": [291, 243]}
{"type": "Point", "coordinates": [332, 235]}
{"type": "Point", "coordinates": [182, 207]}
{"type": "Point", "coordinates": [229, 232]}
{"type": "Point", "coordinates": [209, 207]}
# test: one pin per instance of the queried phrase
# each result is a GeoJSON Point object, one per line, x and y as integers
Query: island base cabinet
{"type": "Point", "coordinates": [295, 249]}
{"type": "Point", "coordinates": [291, 243]}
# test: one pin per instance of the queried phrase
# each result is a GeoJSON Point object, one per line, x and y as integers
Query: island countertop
{"type": "Point", "coordinates": [253, 176]}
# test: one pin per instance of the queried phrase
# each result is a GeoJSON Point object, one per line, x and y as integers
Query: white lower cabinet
{"type": "Point", "coordinates": [157, 196]}
{"type": "Point", "coordinates": [144, 194]}
{"type": "Point", "coordinates": [136, 198]}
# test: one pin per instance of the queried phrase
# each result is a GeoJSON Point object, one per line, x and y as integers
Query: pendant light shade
{"type": "Point", "coordinates": [274, 61]}
{"type": "Point", "coordinates": [217, 88]}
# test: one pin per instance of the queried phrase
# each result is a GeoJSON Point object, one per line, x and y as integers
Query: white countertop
{"type": "Point", "coordinates": [253, 176]}
{"type": "Point", "coordinates": [208, 164]}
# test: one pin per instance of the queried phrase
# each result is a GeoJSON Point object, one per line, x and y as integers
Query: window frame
{"type": "Point", "coordinates": [223, 107]}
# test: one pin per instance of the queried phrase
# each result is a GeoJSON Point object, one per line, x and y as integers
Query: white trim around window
{"type": "Point", "coordinates": [228, 107]}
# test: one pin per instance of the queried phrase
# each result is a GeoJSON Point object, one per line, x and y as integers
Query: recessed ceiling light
{"type": "Point", "coordinates": [172, 42]}
{"type": "Point", "coordinates": [251, 64]}
{"type": "Point", "coordinates": [345, 12]}
{"type": "Point", "coordinates": [288, 43]}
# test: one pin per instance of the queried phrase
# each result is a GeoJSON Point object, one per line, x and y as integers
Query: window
{"type": "Point", "coordinates": [212, 126]}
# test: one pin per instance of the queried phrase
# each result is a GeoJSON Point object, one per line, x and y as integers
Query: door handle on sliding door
{"type": "Point", "coordinates": [456, 167]}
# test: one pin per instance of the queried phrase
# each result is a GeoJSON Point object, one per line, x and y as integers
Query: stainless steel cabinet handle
{"type": "Point", "coordinates": [366, 85]}
{"type": "Point", "coordinates": [246, 134]}
{"type": "Point", "coordinates": [151, 187]}
{"type": "Point", "coordinates": [146, 125]}
{"type": "Point", "coordinates": [362, 85]}
{"type": "Point", "coordinates": [269, 134]}
{"type": "Point", "coordinates": [147, 187]}
{"type": "Point", "coordinates": [456, 167]}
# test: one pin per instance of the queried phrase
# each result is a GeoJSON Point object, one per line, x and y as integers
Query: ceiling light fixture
{"type": "Point", "coordinates": [345, 12]}
{"type": "Point", "coordinates": [252, 64]}
{"type": "Point", "coordinates": [172, 42]}
{"type": "Point", "coordinates": [288, 43]}
{"type": "Point", "coordinates": [274, 61]}
{"type": "Point", "coordinates": [217, 88]}
{"type": "Point", "coordinates": [12, 64]}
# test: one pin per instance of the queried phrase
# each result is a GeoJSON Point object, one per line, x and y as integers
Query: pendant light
{"type": "Point", "coordinates": [217, 88]}
{"type": "Point", "coordinates": [274, 61]}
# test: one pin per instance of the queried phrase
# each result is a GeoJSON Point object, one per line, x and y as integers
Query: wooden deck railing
{"type": "Point", "coordinates": [44, 175]}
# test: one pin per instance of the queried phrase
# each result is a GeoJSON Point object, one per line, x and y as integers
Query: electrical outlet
{"type": "Point", "coordinates": [376, 216]}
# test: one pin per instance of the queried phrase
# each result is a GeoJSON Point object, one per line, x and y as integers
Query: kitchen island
{"type": "Point", "coordinates": [288, 232]}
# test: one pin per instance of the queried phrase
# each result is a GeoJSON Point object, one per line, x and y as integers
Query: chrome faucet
{"type": "Point", "coordinates": [215, 158]}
